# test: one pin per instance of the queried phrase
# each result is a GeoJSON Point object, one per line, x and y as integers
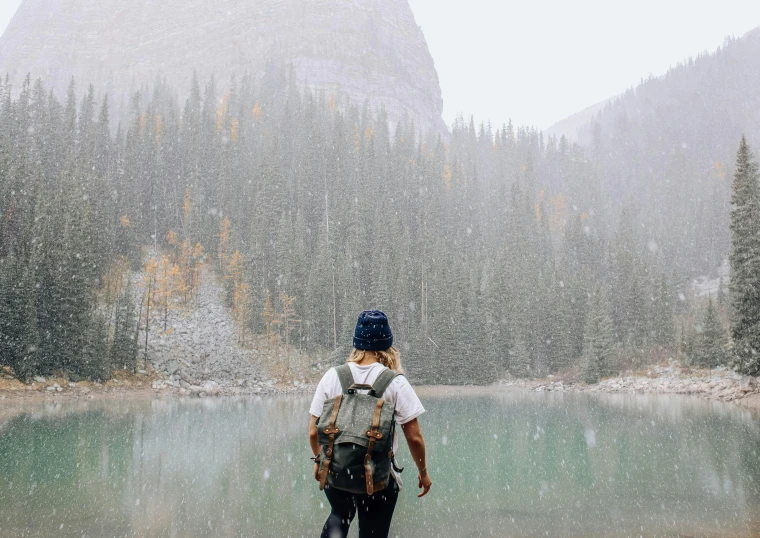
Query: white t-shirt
{"type": "Point", "coordinates": [399, 392]}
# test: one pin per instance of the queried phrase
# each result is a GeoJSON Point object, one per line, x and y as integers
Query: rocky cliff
{"type": "Point", "coordinates": [370, 50]}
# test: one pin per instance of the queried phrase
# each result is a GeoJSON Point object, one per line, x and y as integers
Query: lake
{"type": "Point", "coordinates": [510, 463]}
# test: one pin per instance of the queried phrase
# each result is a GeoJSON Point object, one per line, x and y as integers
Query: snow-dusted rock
{"type": "Point", "coordinates": [748, 384]}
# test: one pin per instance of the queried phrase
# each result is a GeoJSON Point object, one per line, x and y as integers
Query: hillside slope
{"type": "Point", "coordinates": [666, 150]}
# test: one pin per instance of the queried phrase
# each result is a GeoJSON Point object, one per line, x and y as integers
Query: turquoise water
{"type": "Point", "coordinates": [510, 464]}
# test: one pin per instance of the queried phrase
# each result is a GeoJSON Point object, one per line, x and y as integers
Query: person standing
{"type": "Point", "coordinates": [372, 355]}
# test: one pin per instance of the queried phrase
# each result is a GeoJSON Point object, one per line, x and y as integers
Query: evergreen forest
{"type": "Point", "coordinates": [492, 249]}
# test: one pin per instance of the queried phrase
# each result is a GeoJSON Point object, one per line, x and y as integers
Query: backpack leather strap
{"type": "Point", "coordinates": [345, 376]}
{"type": "Point", "coordinates": [331, 430]}
{"type": "Point", "coordinates": [384, 379]}
{"type": "Point", "coordinates": [373, 435]}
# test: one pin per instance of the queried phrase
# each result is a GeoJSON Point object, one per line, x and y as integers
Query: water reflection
{"type": "Point", "coordinates": [509, 464]}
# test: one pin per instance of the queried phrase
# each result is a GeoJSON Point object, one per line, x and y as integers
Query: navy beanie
{"type": "Point", "coordinates": [373, 333]}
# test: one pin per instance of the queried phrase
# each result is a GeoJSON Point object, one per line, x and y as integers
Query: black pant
{"type": "Point", "coordinates": [375, 512]}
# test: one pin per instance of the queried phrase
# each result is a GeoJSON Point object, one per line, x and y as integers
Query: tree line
{"type": "Point", "coordinates": [491, 251]}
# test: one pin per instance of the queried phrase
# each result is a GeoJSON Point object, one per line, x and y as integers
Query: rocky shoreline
{"type": "Point", "coordinates": [719, 384]}
{"type": "Point", "coordinates": [142, 384]}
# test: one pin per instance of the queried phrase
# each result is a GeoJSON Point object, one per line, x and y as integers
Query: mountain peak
{"type": "Point", "coordinates": [370, 50]}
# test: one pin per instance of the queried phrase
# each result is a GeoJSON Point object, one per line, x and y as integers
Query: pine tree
{"type": "Point", "coordinates": [664, 328]}
{"type": "Point", "coordinates": [520, 362]}
{"type": "Point", "coordinates": [686, 339]}
{"type": "Point", "coordinates": [149, 285]}
{"type": "Point", "coordinates": [561, 327]}
{"type": "Point", "coordinates": [320, 314]}
{"type": "Point", "coordinates": [8, 305]}
{"type": "Point", "coordinates": [721, 293]}
{"type": "Point", "coordinates": [598, 342]}
{"type": "Point", "coordinates": [710, 351]}
{"type": "Point", "coordinates": [745, 261]}
{"type": "Point", "coordinates": [19, 338]}
{"type": "Point", "coordinates": [95, 361]}
{"type": "Point", "coordinates": [124, 347]}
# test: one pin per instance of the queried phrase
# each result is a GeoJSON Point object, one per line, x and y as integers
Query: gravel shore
{"type": "Point", "coordinates": [719, 384]}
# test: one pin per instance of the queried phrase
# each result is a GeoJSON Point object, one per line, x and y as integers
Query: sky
{"type": "Point", "coordinates": [7, 9]}
{"type": "Point", "coordinates": [539, 62]}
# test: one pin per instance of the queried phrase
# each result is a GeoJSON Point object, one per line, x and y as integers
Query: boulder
{"type": "Point", "coordinates": [184, 376]}
{"type": "Point", "coordinates": [748, 384]}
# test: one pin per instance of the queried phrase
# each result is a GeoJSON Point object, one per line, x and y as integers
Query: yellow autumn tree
{"type": "Point", "coordinates": [236, 268]}
{"type": "Point", "coordinates": [559, 213]}
{"type": "Point", "coordinates": [369, 133]}
{"type": "Point", "coordinates": [719, 172]}
{"type": "Point", "coordinates": [222, 112]}
{"type": "Point", "coordinates": [256, 112]}
{"type": "Point", "coordinates": [114, 280]}
{"type": "Point", "coordinates": [159, 129]}
{"type": "Point", "coordinates": [148, 283]}
{"type": "Point", "coordinates": [234, 130]}
{"type": "Point", "coordinates": [171, 238]}
{"type": "Point", "coordinates": [447, 175]}
{"type": "Point", "coordinates": [168, 287]}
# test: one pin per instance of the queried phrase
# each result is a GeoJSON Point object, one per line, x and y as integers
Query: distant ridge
{"type": "Point", "coordinates": [679, 81]}
{"type": "Point", "coordinates": [570, 126]}
{"type": "Point", "coordinates": [370, 50]}
{"type": "Point", "coordinates": [667, 148]}
{"type": "Point", "coordinates": [698, 78]}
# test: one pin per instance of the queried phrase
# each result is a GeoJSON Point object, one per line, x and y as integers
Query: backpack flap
{"type": "Point", "coordinates": [354, 421]}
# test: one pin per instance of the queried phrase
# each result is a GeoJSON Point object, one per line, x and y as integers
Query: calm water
{"type": "Point", "coordinates": [511, 464]}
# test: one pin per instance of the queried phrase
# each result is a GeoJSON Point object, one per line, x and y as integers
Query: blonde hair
{"type": "Point", "coordinates": [390, 358]}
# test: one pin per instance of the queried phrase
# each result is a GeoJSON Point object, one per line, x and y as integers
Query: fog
{"type": "Point", "coordinates": [200, 202]}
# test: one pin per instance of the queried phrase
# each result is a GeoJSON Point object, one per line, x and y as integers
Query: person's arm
{"type": "Point", "coordinates": [314, 442]}
{"type": "Point", "coordinates": [416, 444]}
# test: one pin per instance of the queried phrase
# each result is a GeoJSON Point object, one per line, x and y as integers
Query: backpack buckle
{"type": "Point", "coordinates": [360, 386]}
{"type": "Point", "coordinates": [377, 435]}
{"type": "Point", "coordinates": [331, 429]}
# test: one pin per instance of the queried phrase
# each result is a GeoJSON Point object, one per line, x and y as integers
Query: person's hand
{"type": "Point", "coordinates": [424, 483]}
{"type": "Point", "coordinates": [316, 472]}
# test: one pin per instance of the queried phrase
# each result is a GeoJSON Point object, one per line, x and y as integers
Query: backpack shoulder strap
{"type": "Point", "coordinates": [345, 376]}
{"type": "Point", "coordinates": [384, 379]}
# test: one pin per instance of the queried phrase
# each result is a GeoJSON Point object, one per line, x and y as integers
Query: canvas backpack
{"type": "Point", "coordinates": [356, 435]}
